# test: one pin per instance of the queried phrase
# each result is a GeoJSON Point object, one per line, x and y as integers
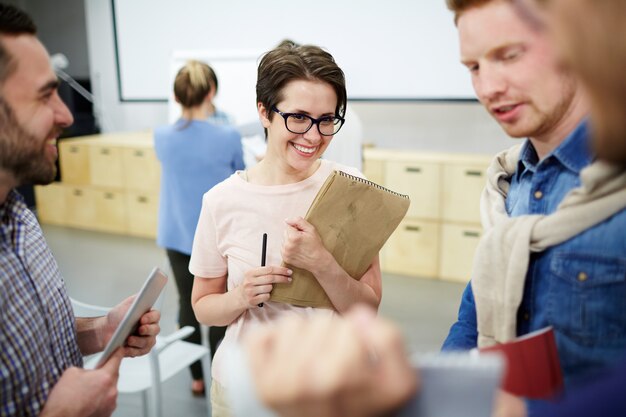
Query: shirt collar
{"type": "Point", "coordinates": [11, 212]}
{"type": "Point", "coordinates": [574, 153]}
{"type": "Point", "coordinates": [528, 160]}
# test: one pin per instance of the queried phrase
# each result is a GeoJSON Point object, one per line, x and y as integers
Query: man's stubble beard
{"type": "Point", "coordinates": [21, 154]}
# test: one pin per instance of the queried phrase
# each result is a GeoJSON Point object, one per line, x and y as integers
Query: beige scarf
{"type": "Point", "coordinates": [502, 256]}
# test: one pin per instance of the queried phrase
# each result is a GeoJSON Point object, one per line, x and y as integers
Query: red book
{"type": "Point", "coordinates": [532, 365]}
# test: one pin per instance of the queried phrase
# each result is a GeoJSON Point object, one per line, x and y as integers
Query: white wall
{"type": "Point", "coordinates": [368, 38]}
{"type": "Point", "coordinates": [440, 126]}
{"type": "Point", "coordinates": [114, 115]}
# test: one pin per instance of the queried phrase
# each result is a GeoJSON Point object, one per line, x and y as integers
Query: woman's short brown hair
{"type": "Point", "coordinates": [288, 62]}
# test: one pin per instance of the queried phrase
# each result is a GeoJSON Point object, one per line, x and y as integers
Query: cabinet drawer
{"type": "Point", "coordinates": [74, 162]}
{"type": "Point", "coordinates": [462, 187]}
{"type": "Point", "coordinates": [458, 245]}
{"type": "Point", "coordinates": [51, 203]}
{"type": "Point", "coordinates": [413, 249]}
{"type": "Point", "coordinates": [420, 181]}
{"type": "Point", "coordinates": [141, 168]}
{"type": "Point", "coordinates": [106, 166]}
{"type": "Point", "coordinates": [80, 207]}
{"type": "Point", "coordinates": [374, 170]}
{"type": "Point", "coordinates": [110, 211]}
{"type": "Point", "coordinates": [142, 213]}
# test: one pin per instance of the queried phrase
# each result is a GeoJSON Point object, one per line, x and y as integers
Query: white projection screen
{"type": "Point", "coordinates": [392, 50]}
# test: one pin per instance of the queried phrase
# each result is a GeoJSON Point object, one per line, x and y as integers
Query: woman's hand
{"type": "Point", "coordinates": [258, 283]}
{"type": "Point", "coordinates": [302, 245]}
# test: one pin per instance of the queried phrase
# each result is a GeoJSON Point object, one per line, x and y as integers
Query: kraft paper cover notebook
{"type": "Point", "coordinates": [354, 217]}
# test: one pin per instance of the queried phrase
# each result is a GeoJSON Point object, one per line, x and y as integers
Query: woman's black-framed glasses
{"type": "Point", "coordinates": [301, 123]}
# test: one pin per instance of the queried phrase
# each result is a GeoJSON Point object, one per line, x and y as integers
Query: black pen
{"type": "Point", "coordinates": [263, 253]}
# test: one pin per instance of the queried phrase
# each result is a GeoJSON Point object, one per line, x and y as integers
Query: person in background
{"type": "Point", "coordinates": [41, 342]}
{"type": "Point", "coordinates": [586, 32]}
{"type": "Point", "coordinates": [301, 99]}
{"type": "Point", "coordinates": [215, 115]}
{"type": "Point", "coordinates": [195, 154]}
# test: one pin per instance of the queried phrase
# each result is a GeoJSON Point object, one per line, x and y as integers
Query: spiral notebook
{"type": "Point", "coordinates": [452, 385]}
{"type": "Point", "coordinates": [354, 217]}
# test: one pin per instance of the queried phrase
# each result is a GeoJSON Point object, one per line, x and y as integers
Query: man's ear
{"type": "Point", "coordinates": [263, 115]}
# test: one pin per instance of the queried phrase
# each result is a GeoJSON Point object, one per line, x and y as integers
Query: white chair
{"type": "Point", "coordinates": [145, 374]}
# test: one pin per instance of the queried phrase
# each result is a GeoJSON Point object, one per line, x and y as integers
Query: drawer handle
{"type": "Point", "coordinates": [413, 169]}
{"type": "Point", "coordinates": [77, 193]}
{"type": "Point", "coordinates": [142, 199]}
{"type": "Point", "coordinates": [138, 153]}
{"type": "Point", "coordinates": [105, 151]}
{"type": "Point", "coordinates": [471, 234]}
{"type": "Point", "coordinates": [74, 149]}
{"type": "Point", "coordinates": [412, 228]}
{"type": "Point", "coordinates": [473, 173]}
{"type": "Point", "coordinates": [109, 196]}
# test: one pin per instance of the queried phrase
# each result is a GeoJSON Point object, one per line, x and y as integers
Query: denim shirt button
{"type": "Point", "coordinates": [538, 195]}
{"type": "Point", "coordinates": [582, 276]}
{"type": "Point", "coordinates": [526, 316]}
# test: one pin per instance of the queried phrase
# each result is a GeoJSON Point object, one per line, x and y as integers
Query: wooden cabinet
{"type": "Point", "coordinates": [142, 210]}
{"type": "Point", "coordinates": [439, 234]}
{"type": "Point", "coordinates": [106, 166]}
{"type": "Point", "coordinates": [458, 245]}
{"type": "Point", "coordinates": [51, 207]}
{"type": "Point", "coordinates": [413, 249]}
{"type": "Point", "coordinates": [463, 185]}
{"type": "Point", "coordinates": [74, 162]}
{"type": "Point", "coordinates": [420, 181]}
{"type": "Point", "coordinates": [374, 171]}
{"type": "Point", "coordinates": [110, 183]}
{"type": "Point", "coordinates": [110, 212]}
{"type": "Point", "coordinates": [141, 168]}
{"type": "Point", "coordinates": [80, 207]}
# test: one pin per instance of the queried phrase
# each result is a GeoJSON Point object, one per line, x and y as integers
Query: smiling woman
{"type": "Point", "coordinates": [301, 101]}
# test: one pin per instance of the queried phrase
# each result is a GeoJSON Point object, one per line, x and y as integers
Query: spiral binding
{"type": "Point", "coordinates": [373, 184]}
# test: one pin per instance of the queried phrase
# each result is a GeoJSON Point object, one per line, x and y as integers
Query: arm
{"type": "Point", "coordinates": [303, 248]}
{"type": "Point", "coordinates": [81, 392]}
{"type": "Point", "coordinates": [464, 333]}
{"type": "Point", "coordinates": [215, 306]}
{"type": "Point", "coordinates": [88, 334]}
{"type": "Point", "coordinates": [354, 365]}
{"type": "Point", "coordinates": [212, 304]}
{"type": "Point", "coordinates": [94, 333]}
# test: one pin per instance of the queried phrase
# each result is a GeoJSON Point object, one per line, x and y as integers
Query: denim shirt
{"type": "Point", "coordinates": [578, 286]}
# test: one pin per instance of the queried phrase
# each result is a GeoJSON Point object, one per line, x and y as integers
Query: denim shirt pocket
{"type": "Point", "coordinates": [588, 296]}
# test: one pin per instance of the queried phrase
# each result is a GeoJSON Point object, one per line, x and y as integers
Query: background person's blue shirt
{"type": "Point", "coordinates": [578, 286]}
{"type": "Point", "coordinates": [195, 156]}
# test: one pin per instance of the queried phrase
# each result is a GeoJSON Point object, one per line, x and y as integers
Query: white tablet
{"type": "Point", "coordinates": [144, 301]}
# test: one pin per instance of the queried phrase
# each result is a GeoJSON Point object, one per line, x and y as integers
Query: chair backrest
{"type": "Point", "coordinates": [88, 310]}
{"type": "Point", "coordinates": [169, 356]}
